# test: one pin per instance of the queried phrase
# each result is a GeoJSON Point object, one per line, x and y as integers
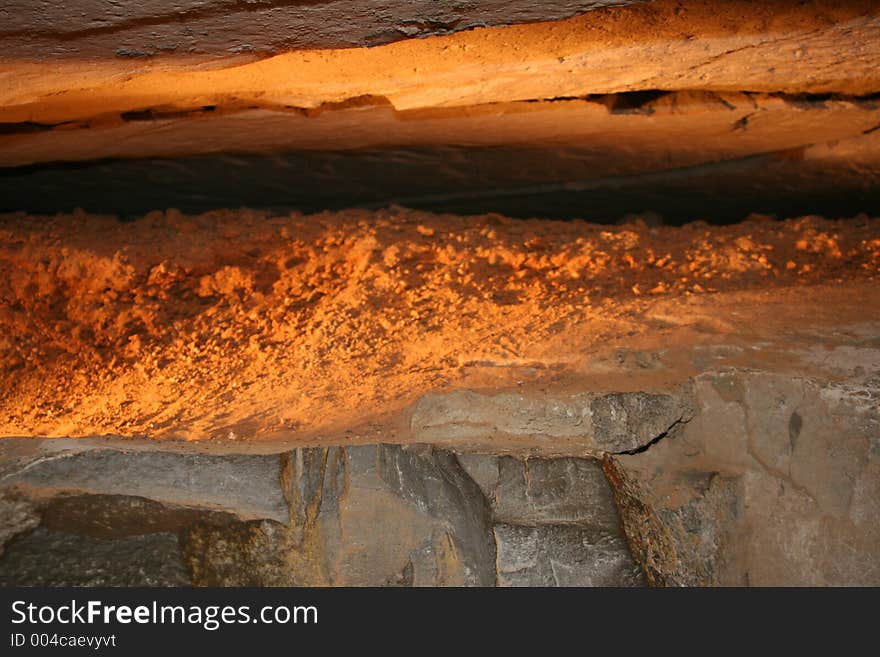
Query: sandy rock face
{"type": "Point", "coordinates": [403, 326]}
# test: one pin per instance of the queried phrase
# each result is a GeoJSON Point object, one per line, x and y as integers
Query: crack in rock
{"type": "Point", "coordinates": [616, 422]}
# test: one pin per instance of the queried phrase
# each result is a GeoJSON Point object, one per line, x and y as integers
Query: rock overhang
{"type": "Point", "coordinates": [234, 397]}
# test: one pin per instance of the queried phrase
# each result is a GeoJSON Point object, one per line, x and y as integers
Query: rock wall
{"type": "Point", "coordinates": [86, 514]}
{"type": "Point", "coordinates": [776, 481]}
{"type": "Point", "coordinates": [382, 396]}
{"type": "Point", "coordinates": [555, 523]}
{"type": "Point", "coordinates": [599, 110]}
{"type": "Point", "coordinates": [773, 481]}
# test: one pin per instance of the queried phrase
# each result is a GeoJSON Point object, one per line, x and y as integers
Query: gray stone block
{"type": "Point", "coordinates": [554, 555]}
{"type": "Point", "coordinates": [545, 491]}
{"type": "Point", "coordinates": [361, 516]}
{"type": "Point", "coordinates": [47, 558]}
{"type": "Point", "coordinates": [599, 422]}
{"type": "Point", "coordinates": [242, 484]}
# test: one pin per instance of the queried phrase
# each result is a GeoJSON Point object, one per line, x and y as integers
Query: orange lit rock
{"type": "Point", "coordinates": [397, 397]}
{"type": "Point", "coordinates": [244, 326]}
{"type": "Point", "coordinates": [788, 47]}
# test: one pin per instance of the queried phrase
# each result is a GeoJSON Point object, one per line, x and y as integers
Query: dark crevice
{"type": "Point", "coordinates": [24, 128]}
{"type": "Point", "coordinates": [631, 102]}
{"type": "Point", "coordinates": [811, 101]}
{"type": "Point", "coordinates": [551, 181]}
{"type": "Point", "coordinates": [624, 102]}
{"type": "Point", "coordinates": [30, 127]}
{"type": "Point", "coordinates": [673, 428]}
{"type": "Point", "coordinates": [461, 181]}
{"type": "Point", "coordinates": [157, 114]}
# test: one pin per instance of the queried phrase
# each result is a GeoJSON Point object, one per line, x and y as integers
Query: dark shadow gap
{"type": "Point", "coordinates": [555, 183]}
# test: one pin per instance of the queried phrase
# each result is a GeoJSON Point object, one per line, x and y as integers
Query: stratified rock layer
{"type": "Point", "coordinates": [82, 29]}
{"type": "Point", "coordinates": [786, 47]}
{"type": "Point", "coordinates": [668, 105]}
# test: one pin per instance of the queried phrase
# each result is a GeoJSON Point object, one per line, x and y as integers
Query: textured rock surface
{"type": "Point", "coordinates": [580, 138]}
{"type": "Point", "coordinates": [363, 516]}
{"type": "Point", "coordinates": [564, 491]}
{"type": "Point", "coordinates": [370, 515]}
{"type": "Point", "coordinates": [613, 422]}
{"type": "Point", "coordinates": [560, 555]}
{"type": "Point", "coordinates": [786, 46]}
{"type": "Point", "coordinates": [16, 516]}
{"type": "Point", "coordinates": [45, 558]}
{"type": "Point", "coordinates": [555, 522]}
{"type": "Point", "coordinates": [774, 482]}
{"type": "Point", "coordinates": [557, 403]}
{"type": "Point", "coordinates": [664, 105]}
{"type": "Point", "coordinates": [86, 29]}
{"type": "Point", "coordinates": [602, 157]}
{"type": "Point", "coordinates": [243, 484]}
{"type": "Point", "coordinates": [400, 326]}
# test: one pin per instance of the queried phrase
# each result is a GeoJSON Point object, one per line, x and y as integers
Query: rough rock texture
{"type": "Point", "coordinates": [86, 29]}
{"type": "Point", "coordinates": [555, 522]}
{"type": "Point", "coordinates": [772, 479]}
{"type": "Point", "coordinates": [362, 516]}
{"type": "Point", "coordinates": [564, 491]}
{"type": "Point", "coordinates": [240, 327]}
{"type": "Point", "coordinates": [678, 169]}
{"type": "Point", "coordinates": [590, 137]}
{"type": "Point", "coordinates": [358, 516]}
{"type": "Point", "coordinates": [602, 157]}
{"type": "Point", "coordinates": [367, 515]}
{"type": "Point", "coordinates": [785, 46]}
{"type": "Point", "coordinates": [16, 516]}
{"type": "Point", "coordinates": [612, 422]}
{"type": "Point", "coordinates": [666, 105]}
{"type": "Point", "coordinates": [402, 398]}
{"type": "Point", "coordinates": [45, 558]}
{"type": "Point", "coordinates": [249, 487]}
{"type": "Point", "coordinates": [774, 482]}
{"type": "Point", "coordinates": [561, 555]}
{"type": "Point", "coordinates": [727, 376]}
